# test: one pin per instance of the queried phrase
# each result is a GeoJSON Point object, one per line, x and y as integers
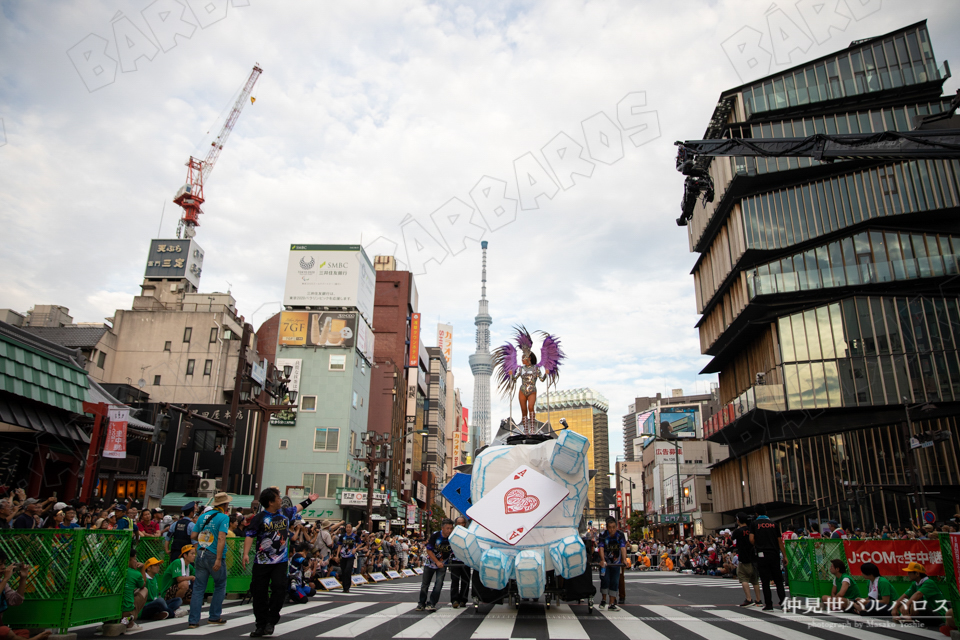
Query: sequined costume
{"type": "Point", "coordinates": [510, 368]}
{"type": "Point", "coordinates": [528, 375]}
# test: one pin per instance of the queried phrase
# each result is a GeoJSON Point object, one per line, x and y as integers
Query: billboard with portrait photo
{"type": "Point", "coordinates": [684, 420]}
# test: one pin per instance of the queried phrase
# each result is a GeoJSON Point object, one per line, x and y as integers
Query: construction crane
{"type": "Point", "coordinates": [190, 196]}
{"type": "Point", "coordinates": [935, 136]}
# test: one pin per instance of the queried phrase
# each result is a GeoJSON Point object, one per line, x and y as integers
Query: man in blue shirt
{"type": "Point", "coordinates": [210, 534]}
{"type": "Point", "coordinates": [349, 541]}
{"type": "Point", "coordinates": [69, 519]}
{"type": "Point", "coordinates": [612, 546]}
{"type": "Point", "coordinates": [438, 552]}
{"type": "Point", "coordinates": [270, 528]}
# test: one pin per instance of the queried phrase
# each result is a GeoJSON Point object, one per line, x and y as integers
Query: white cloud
{"type": "Point", "coordinates": [367, 112]}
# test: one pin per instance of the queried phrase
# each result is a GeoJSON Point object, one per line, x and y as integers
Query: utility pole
{"type": "Point", "coordinates": [235, 407]}
{"type": "Point", "coordinates": [371, 440]}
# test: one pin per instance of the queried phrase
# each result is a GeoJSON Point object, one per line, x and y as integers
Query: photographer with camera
{"type": "Point", "coordinates": [12, 598]}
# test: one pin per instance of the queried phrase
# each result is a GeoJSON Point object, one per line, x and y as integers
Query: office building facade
{"type": "Point", "coordinates": [829, 296]}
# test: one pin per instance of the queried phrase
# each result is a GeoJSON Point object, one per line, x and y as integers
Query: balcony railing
{"type": "Point", "coordinates": [770, 397]}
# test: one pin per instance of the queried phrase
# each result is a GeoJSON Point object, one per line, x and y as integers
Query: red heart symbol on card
{"type": "Point", "coordinates": [516, 500]}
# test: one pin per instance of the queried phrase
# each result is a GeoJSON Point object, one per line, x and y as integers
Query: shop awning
{"type": "Point", "coordinates": [177, 500]}
{"type": "Point", "coordinates": [37, 416]}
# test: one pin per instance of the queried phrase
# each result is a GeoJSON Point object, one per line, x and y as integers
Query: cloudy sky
{"type": "Point", "coordinates": [371, 116]}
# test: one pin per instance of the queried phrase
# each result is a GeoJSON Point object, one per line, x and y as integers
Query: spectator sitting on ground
{"type": "Point", "coordinates": [134, 594]}
{"type": "Point", "coordinates": [177, 581]}
{"type": "Point", "coordinates": [12, 598]}
{"type": "Point", "coordinates": [156, 607]}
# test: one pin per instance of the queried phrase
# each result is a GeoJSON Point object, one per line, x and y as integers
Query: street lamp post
{"type": "Point", "coordinates": [371, 440]}
{"type": "Point", "coordinates": [665, 428]}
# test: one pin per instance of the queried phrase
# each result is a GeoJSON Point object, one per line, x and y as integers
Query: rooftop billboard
{"type": "Point", "coordinates": [330, 275]}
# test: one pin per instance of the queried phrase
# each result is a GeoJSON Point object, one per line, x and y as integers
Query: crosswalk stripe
{"type": "Point", "coordinates": [842, 628]}
{"type": "Point", "coordinates": [314, 618]}
{"type": "Point", "coordinates": [497, 624]}
{"type": "Point", "coordinates": [883, 623]}
{"type": "Point", "coordinates": [233, 623]}
{"type": "Point", "coordinates": [433, 624]}
{"type": "Point", "coordinates": [353, 629]}
{"type": "Point", "coordinates": [691, 624]}
{"type": "Point", "coordinates": [562, 624]}
{"type": "Point", "coordinates": [169, 622]}
{"type": "Point", "coordinates": [631, 626]}
{"type": "Point", "coordinates": [774, 630]}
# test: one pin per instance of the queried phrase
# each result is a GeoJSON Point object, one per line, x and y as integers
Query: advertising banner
{"type": "Point", "coordinates": [641, 420]}
{"type": "Point", "coordinates": [116, 444]}
{"type": "Point", "coordinates": [414, 360]}
{"type": "Point", "coordinates": [175, 259]}
{"type": "Point", "coordinates": [667, 454]}
{"type": "Point", "coordinates": [288, 417]}
{"type": "Point", "coordinates": [350, 498]}
{"type": "Point", "coordinates": [445, 341]}
{"type": "Point", "coordinates": [955, 552]}
{"type": "Point", "coordinates": [330, 275]}
{"type": "Point", "coordinates": [684, 421]}
{"type": "Point", "coordinates": [421, 492]}
{"type": "Point", "coordinates": [365, 340]}
{"type": "Point", "coordinates": [891, 556]}
{"type": "Point", "coordinates": [318, 329]}
{"type": "Point", "coordinates": [465, 431]}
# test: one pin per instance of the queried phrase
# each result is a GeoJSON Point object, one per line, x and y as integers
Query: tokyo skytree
{"type": "Point", "coordinates": [481, 363]}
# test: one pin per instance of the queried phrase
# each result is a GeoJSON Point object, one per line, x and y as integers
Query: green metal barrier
{"type": "Point", "coordinates": [808, 569]}
{"type": "Point", "coordinates": [238, 578]}
{"type": "Point", "coordinates": [76, 576]}
{"type": "Point", "coordinates": [950, 574]}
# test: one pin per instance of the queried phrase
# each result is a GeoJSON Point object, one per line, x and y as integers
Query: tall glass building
{"type": "Point", "coordinates": [830, 297]}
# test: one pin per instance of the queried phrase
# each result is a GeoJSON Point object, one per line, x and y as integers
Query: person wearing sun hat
{"type": "Point", "coordinates": [210, 534]}
{"type": "Point", "coordinates": [176, 581]}
{"type": "Point", "coordinates": [922, 601]}
{"type": "Point", "coordinates": [157, 607]}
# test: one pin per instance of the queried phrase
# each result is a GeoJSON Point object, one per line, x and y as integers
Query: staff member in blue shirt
{"type": "Point", "coordinates": [349, 542]}
{"type": "Point", "coordinates": [210, 534]}
{"type": "Point", "coordinates": [270, 528]}
{"type": "Point", "coordinates": [612, 546]}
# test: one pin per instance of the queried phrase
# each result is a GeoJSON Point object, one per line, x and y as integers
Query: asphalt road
{"type": "Point", "coordinates": [659, 606]}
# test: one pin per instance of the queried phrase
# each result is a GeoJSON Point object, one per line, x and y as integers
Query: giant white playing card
{"type": "Point", "coordinates": [518, 504]}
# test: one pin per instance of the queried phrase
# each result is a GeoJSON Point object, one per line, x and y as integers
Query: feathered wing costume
{"type": "Point", "coordinates": [527, 369]}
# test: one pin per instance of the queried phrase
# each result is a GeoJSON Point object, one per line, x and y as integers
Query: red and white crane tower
{"type": "Point", "coordinates": [190, 195]}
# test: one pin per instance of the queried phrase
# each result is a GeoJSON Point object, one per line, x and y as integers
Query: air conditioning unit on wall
{"type": "Point", "coordinates": [208, 487]}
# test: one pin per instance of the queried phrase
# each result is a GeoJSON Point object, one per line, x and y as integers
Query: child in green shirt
{"type": "Point", "coordinates": [923, 601]}
{"type": "Point", "coordinates": [880, 593]}
{"type": "Point", "coordinates": [844, 592]}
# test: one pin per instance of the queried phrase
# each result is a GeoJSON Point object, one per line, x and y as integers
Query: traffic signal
{"type": "Point", "coordinates": [161, 428]}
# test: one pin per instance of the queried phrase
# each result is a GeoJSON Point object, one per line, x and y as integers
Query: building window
{"type": "Point", "coordinates": [324, 484]}
{"type": "Point", "coordinates": [283, 444]}
{"type": "Point", "coordinates": [101, 359]}
{"type": "Point", "coordinates": [338, 362]}
{"type": "Point", "coordinates": [187, 334]}
{"type": "Point", "coordinates": [355, 399]}
{"type": "Point", "coordinates": [156, 381]}
{"type": "Point", "coordinates": [207, 440]}
{"type": "Point", "coordinates": [308, 403]}
{"type": "Point", "coordinates": [353, 444]}
{"type": "Point", "coordinates": [167, 345]}
{"type": "Point", "coordinates": [191, 364]}
{"type": "Point", "coordinates": [214, 334]}
{"type": "Point", "coordinates": [327, 439]}
{"type": "Point", "coordinates": [207, 367]}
